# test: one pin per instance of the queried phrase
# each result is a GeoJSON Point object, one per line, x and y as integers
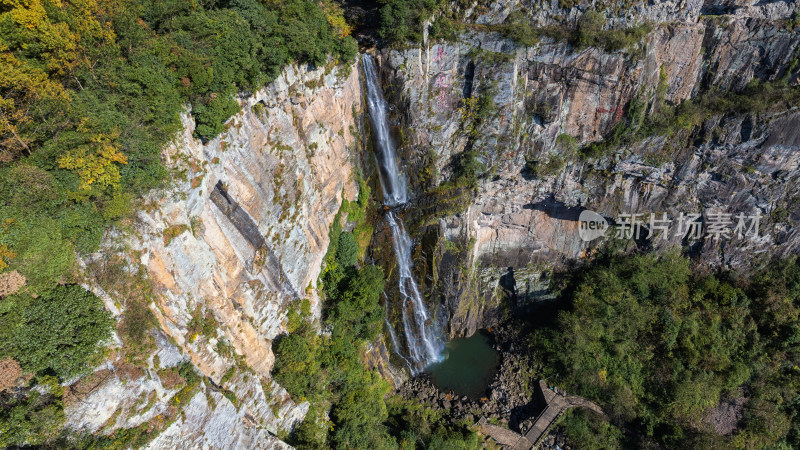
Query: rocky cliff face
{"type": "Point", "coordinates": [259, 201]}
{"type": "Point", "coordinates": [244, 231]}
{"type": "Point", "coordinates": [519, 226]}
{"type": "Point", "coordinates": [240, 236]}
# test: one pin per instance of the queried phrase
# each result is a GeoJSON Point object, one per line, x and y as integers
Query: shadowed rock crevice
{"type": "Point", "coordinates": [245, 224]}
{"type": "Point", "coordinates": [238, 216]}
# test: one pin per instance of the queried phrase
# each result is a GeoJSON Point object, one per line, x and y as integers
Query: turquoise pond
{"type": "Point", "coordinates": [468, 366]}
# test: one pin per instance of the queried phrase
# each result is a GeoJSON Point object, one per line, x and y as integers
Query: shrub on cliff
{"type": "Point", "coordinates": [519, 28]}
{"type": "Point", "coordinates": [756, 98]}
{"type": "Point", "coordinates": [60, 330]}
{"type": "Point", "coordinates": [445, 28]}
{"type": "Point", "coordinates": [590, 33]}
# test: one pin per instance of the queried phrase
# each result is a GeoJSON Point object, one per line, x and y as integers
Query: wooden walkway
{"type": "Point", "coordinates": [556, 405]}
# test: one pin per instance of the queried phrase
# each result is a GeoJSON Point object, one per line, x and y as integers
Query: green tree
{"type": "Point", "coordinates": [657, 345]}
{"type": "Point", "coordinates": [356, 311]}
{"type": "Point", "coordinates": [347, 250]}
{"type": "Point", "coordinates": [30, 420]}
{"type": "Point", "coordinates": [61, 330]}
{"type": "Point", "coordinates": [42, 255]}
{"type": "Point", "coordinates": [296, 363]}
{"type": "Point", "coordinates": [360, 413]}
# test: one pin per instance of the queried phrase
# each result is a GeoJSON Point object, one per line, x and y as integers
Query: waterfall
{"type": "Point", "coordinates": [395, 190]}
{"type": "Point", "coordinates": [392, 334]}
{"type": "Point", "coordinates": [422, 334]}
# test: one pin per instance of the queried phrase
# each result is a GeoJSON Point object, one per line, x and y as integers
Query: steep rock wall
{"type": "Point", "coordinates": [520, 227]}
{"type": "Point", "coordinates": [259, 201]}
{"type": "Point", "coordinates": [238, 237]}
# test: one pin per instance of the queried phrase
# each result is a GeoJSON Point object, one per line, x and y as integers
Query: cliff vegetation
{"type": "Point", "coordinates": [90, 93]}
{"type": "Point", "coordinates": [328, 370]}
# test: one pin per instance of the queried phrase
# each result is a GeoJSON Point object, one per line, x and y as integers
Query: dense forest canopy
{"type": "Point", "coordinates": [660, 345]}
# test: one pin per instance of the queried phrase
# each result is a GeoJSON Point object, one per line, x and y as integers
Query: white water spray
{"type": "Point", "coordinates": [395, 190]}
{"type": "Point", "coordinates": [422, 335]}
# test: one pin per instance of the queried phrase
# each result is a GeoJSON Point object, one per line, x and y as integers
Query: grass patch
{"type": "Point", "coordinates": [172, 232]}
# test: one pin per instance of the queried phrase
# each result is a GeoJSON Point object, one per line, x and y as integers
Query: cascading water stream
{"type": "Point", "coordinates": [395, 190]}
{"type": "Point", "coordinates": [392, 334]}
{"type": "Point", "coordinates": [427, 348]}
{"type": "Point", "coordinates": [422, 335]}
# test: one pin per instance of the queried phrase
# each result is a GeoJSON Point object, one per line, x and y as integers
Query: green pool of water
{"type": "Point", "coordinates": [468, 366]}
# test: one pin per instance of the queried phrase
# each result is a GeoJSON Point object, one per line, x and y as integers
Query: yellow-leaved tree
{"type": "Point", "coordinates": [95, 163]}
{"type": "Point", "coordinates": [334, 14]}
{"type": "Point", "coordinates": [39, 53]}
{"type": "Point", "coordinates": [5, 255]}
